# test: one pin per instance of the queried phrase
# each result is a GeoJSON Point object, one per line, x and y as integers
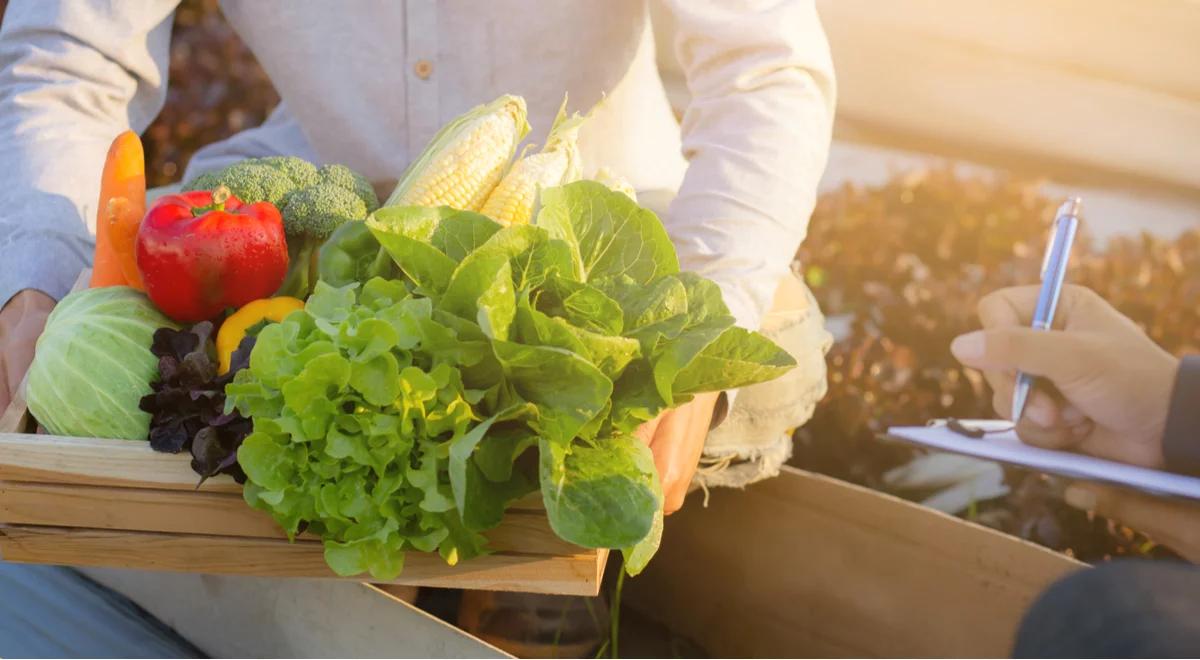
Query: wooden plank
{"type": "Point", "coordinates": [806, 565]}
{"type": "Point", "coordinates": [27, 457]}
{"type": "Point", "coordinates": [569, 575]}
{"type": "Point", "coordinates": [99, 462]}
{"type": "Point", "coordinates": [213, 514]}
{"type": "Point", "coordinates": [145, 509]}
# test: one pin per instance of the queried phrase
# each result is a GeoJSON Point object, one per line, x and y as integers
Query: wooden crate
{"type": "Point", "coordinates": [120, 504]}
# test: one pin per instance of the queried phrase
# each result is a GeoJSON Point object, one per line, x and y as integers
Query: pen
{"type": "Point", "coordinates": [1054, 272]}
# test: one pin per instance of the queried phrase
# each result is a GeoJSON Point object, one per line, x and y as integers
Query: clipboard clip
{"type": "Point", "coordinates": [973, 432]}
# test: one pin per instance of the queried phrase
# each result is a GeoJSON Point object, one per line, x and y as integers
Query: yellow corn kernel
{"type": "Point", "coordinates": [466, 159]}
{"type": "Point", "coordinates": [514, 198]}
{"type": "Point", "coordinates": [615, 182]}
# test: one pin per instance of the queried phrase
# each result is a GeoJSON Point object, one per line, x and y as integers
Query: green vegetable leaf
{"type": "Point", "coordinates": [604, 495]}
{"type": "Point", "coordinates": [635, 399]}
{"type": "Point", "coordinates": [537, 329]}
{"type": "Point", "coordinates": [568, 390]}
{"type": "Point", "coordinates": [651, 304]}
{"type": "Point", "coordinates": [377, 379]}
{"type": "Point", "coordinates": [675, 355]}
{"type": "Point", "coordinates": [461, 449]}
{"type": "Point", "coordinates": [267, 461]}
{"type": "Point", "coordinates": [461, 543]}
{"type": "Point", "coordinates": [481, 290]}
{"type": "Point", "coordinates": [437, 497]}
{"type": "Point", "coordinates": [405, 232]}
{"type": "Point", "coordinates": [610, 235]}
{"type": "Point", "coordinates": [638, 556]}
{"type": "Point", "coordinates": [331, 304]}
{"type": "Point", "coordinates": [534, 255]}
{"type": "Point", "coordinates": [583, 305]}
{"type": "Point", "coordinates": [736, 359]}
{"type": "Point", "coordinates": [378, 293]}
{"type": "Point", "coordinates": [460, 233]}
{"type": "Point", "coordinates": [704, 302]}
{"type": "Point", "coordinates": [487, 499]}
{"type": "Point", "coordinates": [495, 456]}
{"type": "Point", "coordinates": [610, 354]}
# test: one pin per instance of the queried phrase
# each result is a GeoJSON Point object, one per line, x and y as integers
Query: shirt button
{"type": "Point", "coordinates": [423, 69]}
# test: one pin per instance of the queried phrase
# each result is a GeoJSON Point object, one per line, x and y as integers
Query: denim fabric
{"type": "Point", "coordinates": [54, 612]}
{"type": "Point", "coordinates": [1124, 609]}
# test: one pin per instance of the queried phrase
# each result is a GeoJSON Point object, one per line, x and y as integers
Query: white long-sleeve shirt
{"type": "Point", "coordinates": [368, 83]}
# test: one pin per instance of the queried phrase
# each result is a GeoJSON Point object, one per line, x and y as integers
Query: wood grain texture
{"type": "Point", "coordinates": [26, 457]}
{"type": "Point", "coordinates": [221, 555]}
{"type": "Point", "coordinates": [99, 462]}
{"type": "Point", "coordinates": [211, 514]}
{"type": "Point", "coordinates": [805, 565]}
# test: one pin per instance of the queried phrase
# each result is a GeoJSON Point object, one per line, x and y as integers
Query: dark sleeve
{"type": "Point", "coordinates": [1181, 440]}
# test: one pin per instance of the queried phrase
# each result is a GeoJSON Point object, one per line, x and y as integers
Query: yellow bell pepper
{"type": "Point", "coordinates": [233, 330]}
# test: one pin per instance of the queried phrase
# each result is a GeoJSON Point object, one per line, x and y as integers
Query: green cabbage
{"type": "Point", "coordinates": [93, 364]}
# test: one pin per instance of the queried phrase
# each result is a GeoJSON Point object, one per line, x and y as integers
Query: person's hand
{"type": "Point", "coordinates": [1173, 523]}
{"type": "Point", "coordinates": [676, 438]}
{"type": "Point", "coordinates": [21, 323]}
{"type": "Point", "coordinates": [1112, 384]}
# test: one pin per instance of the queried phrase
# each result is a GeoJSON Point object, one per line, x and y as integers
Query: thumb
{"type": "Point", "coordinates": [1053, 354]}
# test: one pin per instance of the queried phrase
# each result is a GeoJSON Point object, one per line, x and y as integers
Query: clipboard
{"type": "Point", "coordinates": [1001, 444]}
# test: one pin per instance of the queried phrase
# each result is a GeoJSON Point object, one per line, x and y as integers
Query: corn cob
{"type": "Point", "coordinates": [466, 159]}
{"type": "Point", "coordinates": [513, 200]}
{"type": "Point", "coordinates": [615, 182]}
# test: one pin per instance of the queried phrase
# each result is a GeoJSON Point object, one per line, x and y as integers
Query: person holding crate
{"type": "Point", "coordinates": [367, 84]}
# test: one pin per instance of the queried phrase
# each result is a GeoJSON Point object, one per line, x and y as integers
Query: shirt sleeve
{"type": "Point", "coordinates": [1181, 438]}
{"type": "Point", "coordinates": [756, 136]}
{"type": "Point", "coordinates": [73, 74]}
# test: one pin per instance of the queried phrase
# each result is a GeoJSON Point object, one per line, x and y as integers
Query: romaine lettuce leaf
{"type": "Point", "coordinates": [605, 495]}
{"type": "Point", "coordinates": [609, 234]}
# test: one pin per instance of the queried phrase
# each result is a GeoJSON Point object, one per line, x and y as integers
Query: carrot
{"type": "Point", "coordinates": [124, 217]}
{"type": "Point", "coordinates": [124, 176]}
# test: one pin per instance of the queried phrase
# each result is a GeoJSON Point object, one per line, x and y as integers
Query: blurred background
{"type": "Point", "coordinates": [960, 128]}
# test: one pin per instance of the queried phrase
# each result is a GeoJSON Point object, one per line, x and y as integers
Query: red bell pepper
{"type": "Point", "coordinates": [201, 252]}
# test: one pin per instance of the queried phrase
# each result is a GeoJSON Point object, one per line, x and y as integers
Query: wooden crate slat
{"type": "Point", "coordinates": [25, 457]}
{"type": "Point", "coordinates": [214, 514]}
{"type": "Point", "coordinates": [144, 509]}
{"type": "Point", "coordinates": [569, 574]}
{"type": "Point", "coordinates": [99, 462]}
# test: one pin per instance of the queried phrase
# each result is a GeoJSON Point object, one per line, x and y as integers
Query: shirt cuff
{"type": "Point", "coordinates": [49, 265]}
{"type": "Point", "coordinates": [1181, 439]}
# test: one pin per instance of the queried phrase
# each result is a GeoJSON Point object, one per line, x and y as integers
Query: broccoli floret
{"type": "Point", "coordinates": [249, 181]}
{"type": "Point", "coordinates": [206, 181]}
{"type": "Point", "coordinates": [302, 173]}
{"type": "Point", "coordinates": [317, 210]}
{"type": "Point", "coordinates": [344, 177]}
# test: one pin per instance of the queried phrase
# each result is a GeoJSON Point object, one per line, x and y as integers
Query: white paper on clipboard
{"type": "Point", "coordinates": [1005, 447]}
